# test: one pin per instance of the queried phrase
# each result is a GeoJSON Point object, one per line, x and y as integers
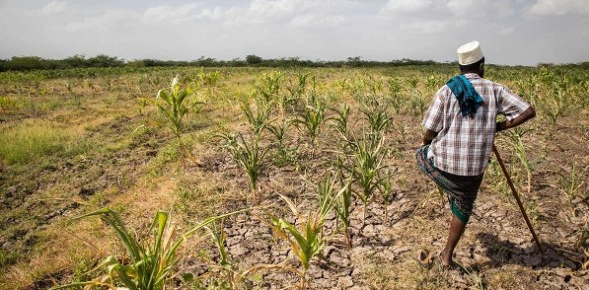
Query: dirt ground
{"type": "Point", "coordinates": [497, 251]}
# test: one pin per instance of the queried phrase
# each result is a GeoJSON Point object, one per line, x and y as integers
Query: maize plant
{"type": "Point", "coordinates": [377, 116]}
{"type": "Point", "coordinates": [572, 184]}
{"type": "Point", "coordinates": [270, 85]}
{"type": "Point", "coordinates": [312, 117]}
{"type": "Point", "coordinates": [151, 263]}
{"type": "Point", "coordinates": [279, 131]}
{"type": "Point", "coordinates": [70, 87]}
{"type": "Point", "coordinates": [386, 190]}
{"type": "Point", "coordinates": [8, 105]}
{"type": "Point", "coordinates": [248, 154]}
{"type": "Point", "coordinates": [298, 88]}
{"type": "Point", "coordinates": [515, 136]}
{"type": "Point", "coordinates": [175, 104]}
{"type": "Point", "coordinates": [343, 203]}
{"type": "Point", "coordinates": [394, 94]}
{"type": "Point", "coordinates": [257, 118]}
{"type": "Point", "coordinates": [556, 104]}
{"type": "Point", "coordinates": [366, 166]}
{"type": "Point", "coordinates": [209, 79]}
{"type": "Point", "coordinates": [307, 240]}
{"type": "Point", "coordinates": [417, 102]}
{"type": "Point", "coordinates": [433, 83]}
{"type": "Point", "coordinates": [225, 275]}
{"type": "Point", "coordinates": [341, 120]}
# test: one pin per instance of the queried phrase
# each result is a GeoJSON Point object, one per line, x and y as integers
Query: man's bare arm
{"type": "Point", "coordinates": [522, 118]}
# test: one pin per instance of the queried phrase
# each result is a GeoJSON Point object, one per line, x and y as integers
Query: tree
{"type": "Point", "coordinates": [253, 59]}
{"type": "Point", "coordinates": [102, 60]}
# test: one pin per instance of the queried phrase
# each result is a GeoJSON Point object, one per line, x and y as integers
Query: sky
{"type": "Point", "coordinates": [511, 32]}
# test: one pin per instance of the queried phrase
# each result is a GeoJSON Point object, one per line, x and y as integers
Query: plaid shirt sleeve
{"type": "Point", "coordinates": [434, 117]}
{"type": "Point", "coordinates": [510, 104]}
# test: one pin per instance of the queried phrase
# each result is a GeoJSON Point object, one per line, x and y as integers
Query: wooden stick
{"type": "Point", "coordinates": [519, 203]}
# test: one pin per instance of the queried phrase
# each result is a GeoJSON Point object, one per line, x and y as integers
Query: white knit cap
{"type": "Point", "coordinates": [469, 53]}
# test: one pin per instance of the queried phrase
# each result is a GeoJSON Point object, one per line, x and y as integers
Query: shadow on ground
{"type": "Point", "coordinates": [502, 252]}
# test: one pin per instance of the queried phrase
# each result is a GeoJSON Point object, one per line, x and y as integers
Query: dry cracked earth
{"type": "Point", "coordinates": [496, 252]}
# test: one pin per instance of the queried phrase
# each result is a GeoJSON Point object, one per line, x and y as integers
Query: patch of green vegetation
{"type": "Point", "coordinates": [30, 140]}
{"type": "Point", "coordinates": [168, 154]}
{"type": "Point", "coordinates": [7, 258]}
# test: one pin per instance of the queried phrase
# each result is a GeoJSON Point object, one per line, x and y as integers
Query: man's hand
{"type": "Point", "coordinates": [428, 136]}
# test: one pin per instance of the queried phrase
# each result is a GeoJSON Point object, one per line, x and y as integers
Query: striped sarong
{"type": "Point", "coordinates": [461, 190]}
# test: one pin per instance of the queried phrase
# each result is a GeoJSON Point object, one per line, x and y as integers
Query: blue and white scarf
{"type": "Point", "coordinates": [467, 96]}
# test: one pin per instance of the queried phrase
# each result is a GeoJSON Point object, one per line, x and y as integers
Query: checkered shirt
{"type": "Point", "coordinates": [463, 144]}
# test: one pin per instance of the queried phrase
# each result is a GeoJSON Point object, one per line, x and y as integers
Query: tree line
{"type": "Point", "coordinates": [26, 63]}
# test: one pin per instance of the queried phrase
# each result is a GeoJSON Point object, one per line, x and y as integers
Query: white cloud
{"type": "Point", "coordinates": [314, 20]}
{"type": "Point", "coordinates": [460, 7]}
{"type": "Point", "coordinates": [505, 31]}
{"type": "Point", "coordinates": [167, 13]}
{"type": "Point", "coordinates": [54, 7]}
{"type": "Point", "coordinates": [288, 10]}
{"type": "Point", "coordinates": [472, 8]}
{"type": "Point", "coordinates": [560, 7]}
{"type": "Point", "coordinates": [276, 8]}
{"type": "Point", "coordinates": [109, 21]}
{"type": "Point", "coordinates": [404, 6]}
{"type": "Point", "coordinates": [427, 26]}
{"type": "Point", "coordinates": [212, 14]}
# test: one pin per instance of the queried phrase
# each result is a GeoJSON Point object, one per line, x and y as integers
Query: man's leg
{"type": "Point", "coordinates": [456, 230]}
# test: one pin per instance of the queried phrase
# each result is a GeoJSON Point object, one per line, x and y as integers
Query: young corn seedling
{"type": "Point", "coordinates": [306, 241]}
{"type": "Point", "coordinates": [209, 79]}
{"type": "Point", "coordinates": [366, 166]}
{"type": "Point", "coordinates": [556, 105]}
{"type": "Point", "coordinates": [296, 90]}
{"type": "Point", "coordinates": [248, 154]}
{"type": "Point", "coordinates": [377, 116]}
{"type": "Point", "coordinates": [341, 120]}
{"type": "Point", "coordinates": [175, 104]}
{"type": "Point", "coordinates": [7, 105]}
{"type": "Point", "coordinates": [418, 103]}
{"type": "Point", "coordinates": [270, 85]}
{"type": "Point", "coordinates": [228, 275]}
{"type": "Point", "coordinates": [219, 237]}
{"type": "Point", "coordinates": [395, 97]}
{"type": "Point", "coordinates": [151, 264]}
{"type": "Point", "coordinates": [343, 203]}
{"type": "Point", "coordinates": [515, 136]}
{"type": "Point", "coordinates": [572, 185]}
{"type": "Point", "coordinates": [312, 118]}
{"type": "Point", "coordinates": [257, 118]}
{"type": "Point", "coordinates": [76, 97]}
{"type": "Point", "coordinates": [386, 189]}
{"type": "Point", "coordinates": [279, 131]}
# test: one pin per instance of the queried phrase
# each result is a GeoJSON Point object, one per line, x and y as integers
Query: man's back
{"type": "Point", "coordinates": [463, 144]}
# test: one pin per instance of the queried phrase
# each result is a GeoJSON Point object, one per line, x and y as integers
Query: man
{"type": "Point", "coordinates": [460, 127]}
